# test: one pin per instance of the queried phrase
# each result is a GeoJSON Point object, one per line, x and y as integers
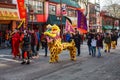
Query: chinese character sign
{"type": "Point", "coordinates": [63, 9]}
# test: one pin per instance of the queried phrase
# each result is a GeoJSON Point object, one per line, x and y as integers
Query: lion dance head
{"type": "Point", "coordinates": [52, 31]}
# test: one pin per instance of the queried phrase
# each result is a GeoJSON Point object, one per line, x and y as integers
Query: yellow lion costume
{"type": "Point", "coordinates": [55, 46]}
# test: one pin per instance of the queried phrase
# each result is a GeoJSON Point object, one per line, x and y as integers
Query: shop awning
{"type": "Point", "coordinates": [68, 2]}
{"type": "Point", "coordinates": [53, 19]}
{"type": "Point", "coordinates": [116, 27]}
{"type": "Point", "coordinates": [107, 27]}
{"type": "Point", "coordinates": [8, 14]}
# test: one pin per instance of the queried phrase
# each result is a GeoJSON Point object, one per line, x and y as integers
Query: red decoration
{"type": "Point", "coordinates": [25, 55]}
{"type": "Point", "coordinates": [82, 31]}
{"type": "Point", "coordinates": [22, 9]}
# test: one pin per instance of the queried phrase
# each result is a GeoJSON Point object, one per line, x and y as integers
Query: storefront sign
{"type": "Point", "coordinates": [63, 9]}
{"type": "Point", "coordinates": [8, 14]}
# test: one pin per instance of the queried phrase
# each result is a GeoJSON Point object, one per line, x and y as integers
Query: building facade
{"type": "Point", "coordinates": [8, 18]}
{"type": "Point", "coordinates": [92, 12]}
{"type": "Point", "coordinates": [58, 16]}
{"type": "Point", "coordinates": [37, 14]}
{"type": "Point", "coordinates": [108, 22]}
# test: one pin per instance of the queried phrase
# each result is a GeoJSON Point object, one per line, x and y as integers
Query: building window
{"type": "Point", "coordinates": [35, 5]}
{"type": "Point", "coordinates": [52, 9]}
{"type": "Point", "coordinates": [39, 7]}
{"type": "Point", "coordinates": [71, 13]}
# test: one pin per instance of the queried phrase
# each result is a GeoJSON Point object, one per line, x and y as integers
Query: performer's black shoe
{"type": "Point", "coordinates": [28, 62]}
{"type": "Point", "coordinates": [23, 62]}
{"type": "Point", "coordinates": [78, 54]}
{"type": "Point", "coordinates": [105, 51]}
{"type": "Point", "coordinates": [89, 53]}
{"type": "Point", "coordinates": [45, 55]}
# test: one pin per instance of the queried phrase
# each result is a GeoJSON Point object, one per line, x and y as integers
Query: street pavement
{"type": "Point", "coordinates": [85, 68]}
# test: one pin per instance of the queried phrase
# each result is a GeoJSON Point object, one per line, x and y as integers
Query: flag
{"type": "Point", "coordinates": [21, 9]}
{"type": "Point", "coordinates": [81, 21]}
{"type": "Point", "coordinates": [69, 27]}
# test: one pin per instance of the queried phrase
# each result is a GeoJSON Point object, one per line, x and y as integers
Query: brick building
{"type": "Point", "coordinates": [8, 16]}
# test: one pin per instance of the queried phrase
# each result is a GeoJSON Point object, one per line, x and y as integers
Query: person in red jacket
{"type": "Point", "coordinates": [15, 44]}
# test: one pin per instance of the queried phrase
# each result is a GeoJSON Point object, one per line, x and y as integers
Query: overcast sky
{"type": "Point", "coordinates": [102, 2]}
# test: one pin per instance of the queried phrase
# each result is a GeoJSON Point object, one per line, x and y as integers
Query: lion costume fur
{"type": "Point", "coordinates": [56, 46]}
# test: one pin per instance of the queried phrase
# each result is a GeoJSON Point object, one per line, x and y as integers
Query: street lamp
{"type": "Point", "coordinates": [32, 15]}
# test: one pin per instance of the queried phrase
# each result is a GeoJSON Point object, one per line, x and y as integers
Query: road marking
{"type": "Point", "coordinates": [6, 60]}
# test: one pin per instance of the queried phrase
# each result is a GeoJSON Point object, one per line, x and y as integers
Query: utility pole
{"type": "Point", "coordinates": [61, 16]}
{"type": "Point", "coordinates": [60, 13]}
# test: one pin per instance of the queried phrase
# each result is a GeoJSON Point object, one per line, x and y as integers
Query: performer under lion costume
{"type": "Point", "coordinates": [56, 46]}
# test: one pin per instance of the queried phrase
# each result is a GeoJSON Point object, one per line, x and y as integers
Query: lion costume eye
{"type": "Point", "coordinates": [54, 29]}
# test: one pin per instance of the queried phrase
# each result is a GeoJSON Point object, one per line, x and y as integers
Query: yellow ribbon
{"type": "Point", "coordinates": [21, 23]}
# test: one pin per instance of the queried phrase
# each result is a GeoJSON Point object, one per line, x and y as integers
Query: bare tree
{"type": "Point", "coordinates": [113, 7]}
{"type": "Point", "coordinates": [85, 2]}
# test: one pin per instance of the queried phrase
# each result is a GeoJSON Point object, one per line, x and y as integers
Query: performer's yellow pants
{"type": "Point", "coordinates": [107, 47]}
{"type": "Point", "coordinates": [113, 44]}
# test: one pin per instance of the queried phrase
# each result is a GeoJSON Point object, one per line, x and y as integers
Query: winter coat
{"type": "Point", "coordinates": [77, 39]}
{"type": "Point", "coordinates": [107, 40]}
{"type": "Point", "coordinates": [114, 38]}
{"type": "Point", "coordinates": [33, 39]}
{"type": "Point", "coordinates": [89, 40]}
{"type": "Point", "coordinates": [38, 36]}
{"type": "Point", "coordinates": [68, 37]}
{"type": "Point", "coordinates": [27, 42]}
{"type": "Point", "coordinates": [44, 42]}
{"type": "Point", "coordinates": [100, 43]}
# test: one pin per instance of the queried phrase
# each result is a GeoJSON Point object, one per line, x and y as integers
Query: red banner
{"type": "Point", "coordinates": [22, 9]}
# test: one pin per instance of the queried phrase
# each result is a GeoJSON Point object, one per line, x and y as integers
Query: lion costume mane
{"type": "Point", "coordinates": [56, 46]}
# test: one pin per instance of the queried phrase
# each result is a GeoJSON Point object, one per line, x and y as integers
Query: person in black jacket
{"type": "Point", "coordinates": [107, 41]}
{"type": "Point", "coordinates": [113, 40]}
{"type": "Point", "coordinates": [99, 45]}
{"type": "Point", "coordinates": [26, 48]}
{"type": "Point", "coordinates": [77, 40]}
{"type": "Point", "coordinates": [45, 46]}
{"type": "Point", "coordinates": [89, 38]}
